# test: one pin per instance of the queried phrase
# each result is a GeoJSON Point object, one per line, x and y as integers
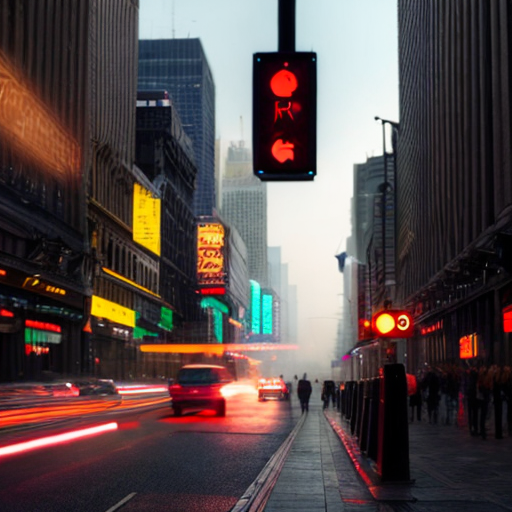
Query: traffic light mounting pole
{"type": "Point", "coordinates": [286, 26]}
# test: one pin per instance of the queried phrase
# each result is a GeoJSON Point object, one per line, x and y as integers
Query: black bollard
{"type": "Point", "coordinates": [373, 420]}
{"type": "Point", "coordinates": [393, 445]}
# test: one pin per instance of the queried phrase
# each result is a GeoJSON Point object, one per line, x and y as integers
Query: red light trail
{"type": "Point", "coordinates": [56, 439]}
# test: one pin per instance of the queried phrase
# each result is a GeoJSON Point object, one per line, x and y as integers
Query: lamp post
{"type": "Point", "coordinates": [394, 126]}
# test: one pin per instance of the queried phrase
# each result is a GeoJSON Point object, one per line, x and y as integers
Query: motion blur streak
{"type": "Point", "coordinates": [238, 389]}
{"type": "Point", "coordinates": [57, 439]}
{"type": "Point", "coordinates": [14, 417]}
{"type": "Point", "coordinates": [133, 390]}
{"type": "Point", "coordinates": [213, 348]}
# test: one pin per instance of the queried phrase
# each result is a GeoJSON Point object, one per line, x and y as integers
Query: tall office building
{"type": "Point", "coordinates": [454, 172]}
{"type": "Point", "coordinates": [66, 183]}
{"type": "Point", "coordinates": [180, 67]}
{"type": "Point", "coordinates": [244, 205]}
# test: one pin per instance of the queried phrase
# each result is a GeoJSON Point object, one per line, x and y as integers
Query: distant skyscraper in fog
{"type": "Point", "coordinates": [244, 205]}
{"type": "Point", "coordinates": [180, 67]}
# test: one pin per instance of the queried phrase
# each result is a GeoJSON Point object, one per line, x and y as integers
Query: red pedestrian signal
{"type": "Point", "coordinates": [392, 323]}
{"type": "Point", "coordinates": [284, 116]}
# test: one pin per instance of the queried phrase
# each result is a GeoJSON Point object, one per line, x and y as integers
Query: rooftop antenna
{"type": "Point", "coordinates": [173, 31]}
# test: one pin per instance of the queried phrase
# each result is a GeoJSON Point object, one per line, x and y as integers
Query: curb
{"type": "Point", "coordinates": [258, 493]}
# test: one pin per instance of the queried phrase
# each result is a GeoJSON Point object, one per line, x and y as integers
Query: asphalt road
{"type": "Point", "coordinates": [152, 462]}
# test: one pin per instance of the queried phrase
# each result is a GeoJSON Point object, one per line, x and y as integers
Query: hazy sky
{"type": "Point", "coordinates": [356, 46]}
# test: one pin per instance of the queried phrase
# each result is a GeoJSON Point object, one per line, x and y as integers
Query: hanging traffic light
{"type": "Point", "coordinates": [392, 323]}
{"type": "Point", "coordinates": [284, 116]}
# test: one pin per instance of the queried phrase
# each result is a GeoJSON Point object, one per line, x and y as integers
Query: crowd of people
{"type": "Point", "coordinates": [476, 397]}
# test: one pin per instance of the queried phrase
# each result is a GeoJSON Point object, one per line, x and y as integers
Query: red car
{"type": "Point", "coordinates": [199, 387]}
{"type": "Point", "coordinates": [273, 388]}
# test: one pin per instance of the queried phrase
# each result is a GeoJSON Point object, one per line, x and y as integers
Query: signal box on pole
{"type": "Point", "coordinates": [392, 323]}
{"type": "Point", "coordinates": [284, 116]}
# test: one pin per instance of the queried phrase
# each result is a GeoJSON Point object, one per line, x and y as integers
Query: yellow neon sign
{"type": "Point", "coordinates": [103, 308]}
{"type": "Point", "coordinates": [146, 219]}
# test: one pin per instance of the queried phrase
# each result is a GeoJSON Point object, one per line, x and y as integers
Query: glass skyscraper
{"type": "Point", "coordinates": [180, 67]}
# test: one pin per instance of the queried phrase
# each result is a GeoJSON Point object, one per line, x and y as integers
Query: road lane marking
{"type": "Point", "coordinates": [122, 502]}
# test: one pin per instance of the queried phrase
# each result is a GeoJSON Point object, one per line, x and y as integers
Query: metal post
{"type": "Point", "coordinates": [384, 198]}
{"type": "Point", "coordinates": [394, 126]}
{"type": "Point", "coordinates": [286, 26]}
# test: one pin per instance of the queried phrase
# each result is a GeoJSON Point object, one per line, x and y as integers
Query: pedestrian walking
{"type": "Point", "coordinates": [497, 399]}
{"type": "Point", "coordinates": [472, 380]}
{"type": "Point", "coordinates": [433, 387]}
{"type": "Point", "coordinates": [483, 393]}
{"type": "Point", "coordinates": [415, 400]}
{"type": "Point", "coordinates": [304, 390]}
{"type": "Point", "coordinates": [506, 379]}
{"type": "Point", "coordinates": [450, 387]}
{"type": "Point", "coordinates": [328, 393]}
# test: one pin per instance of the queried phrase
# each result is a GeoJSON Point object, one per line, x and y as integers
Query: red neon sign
{"type": "Point", "coordinates": [6, 313]}
{"type": "Point", "coordinates": [43, 326]}
{"type": "Point", "coordinates": [213, 291]}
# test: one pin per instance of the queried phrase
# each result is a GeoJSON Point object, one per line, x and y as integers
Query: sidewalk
{"type": "Point", "coordinates": [450, 470]}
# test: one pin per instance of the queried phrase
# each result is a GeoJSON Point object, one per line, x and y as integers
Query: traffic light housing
{"type": "Point", "coordinates": [392, 323]}
{"type": "Point", "coordinates": [284, 116]}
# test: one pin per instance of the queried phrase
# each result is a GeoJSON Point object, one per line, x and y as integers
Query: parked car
{"type": "Point", "coordinates": [199, 386]}
{"type": "Point", "coordinates": [274, 388]}
{"type": "Point", "coordinates": [96, 387]}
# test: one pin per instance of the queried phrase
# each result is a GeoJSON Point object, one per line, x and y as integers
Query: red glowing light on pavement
{"type": "Point", "coordinates": [352, 449]}
{"type": "Point", "coordinates": [56, 439]}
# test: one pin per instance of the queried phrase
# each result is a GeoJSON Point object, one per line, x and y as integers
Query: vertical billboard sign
{"type": "Point", "coordinates": [210, 254]}
{"type": "Point", "coordinates": [266, 309]}
{"type": "Point", "coordinates": [146, 219]}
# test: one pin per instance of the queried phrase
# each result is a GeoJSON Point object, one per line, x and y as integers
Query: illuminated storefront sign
{"type": "Point", "coordinates": [266, 309]}
{"type": "Point", "coordinates": [37, 284]}
{"type": "Point", "coordinates": [166, 319]}
{"type": "Point", "coordinates": [103, 308]}
{"type": "Point", "coordinates": [37, 332]}
{"type": "Point", "coordinates": [146, 219]}
{"type": "Point", "coordinates": [43, 326]}
{"type": "Point", "coordinates": [210, 254]}
{"type": "Point", "coordinates": [32, 129]}
{"type": "Point", "coordinates": [468, 346]}
{"type": "Point", "coordinates": [255, 307]}
{"type": "Point", "coordinates": [507, 319]}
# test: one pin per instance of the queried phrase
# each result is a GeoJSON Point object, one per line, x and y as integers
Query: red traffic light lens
{"type": "Point", "coordinates": [393, 324]}
{"type": "Point", "coordinates": [385, 323]}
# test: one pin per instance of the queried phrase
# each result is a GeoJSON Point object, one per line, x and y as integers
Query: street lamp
{"type": "Point", "coordinates": [395, 127]}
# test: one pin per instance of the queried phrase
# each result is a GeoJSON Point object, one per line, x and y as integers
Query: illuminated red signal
{"type": "Point", "coordinates": [393, 323]}
{"type": "Point", "coordinates": [283, 83]}
{"type": "Point", "coordinates": [284, 116]}
{"type": "Point", "coordinates": [365, 329]}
